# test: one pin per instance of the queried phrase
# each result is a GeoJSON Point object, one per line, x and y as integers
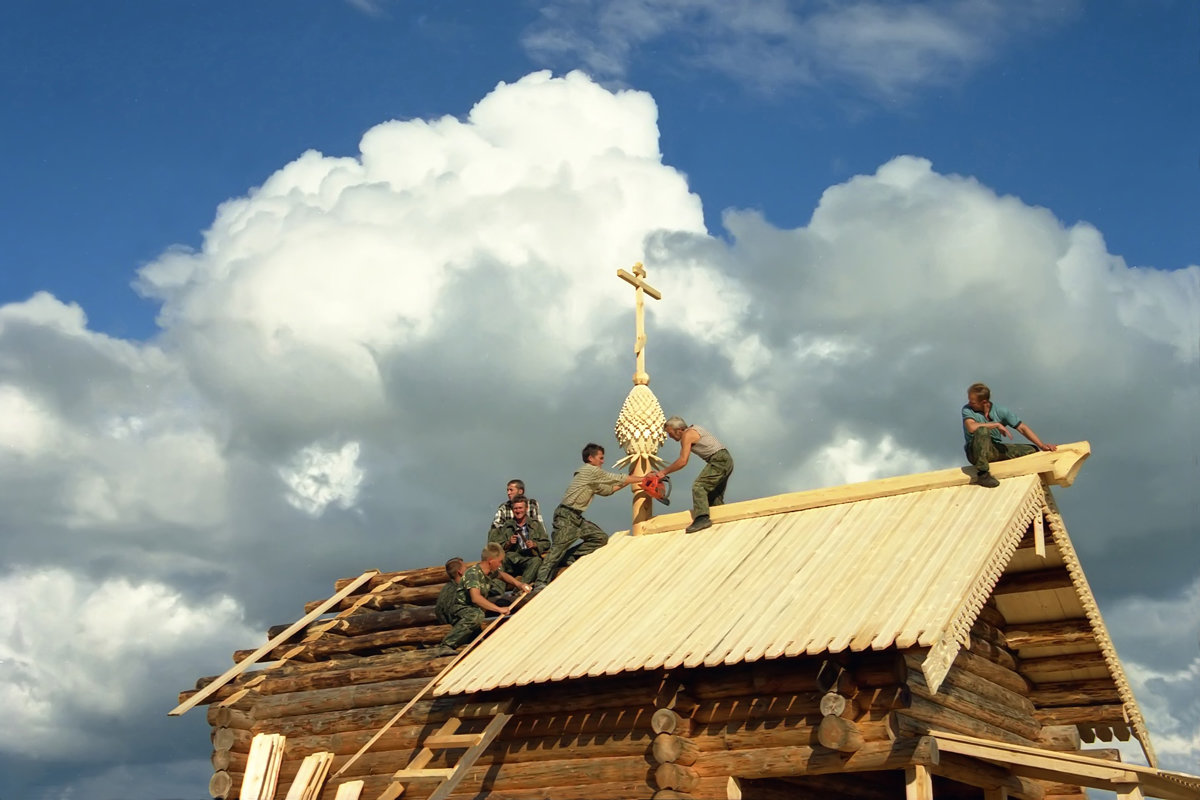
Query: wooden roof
{"type": "Point", "coordinates": [900, 562]}
{"type": "Point", "coordinates": [908, 570]}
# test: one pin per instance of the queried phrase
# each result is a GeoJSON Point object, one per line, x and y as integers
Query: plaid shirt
{"type": "Point", "coordinates": [504, 513]}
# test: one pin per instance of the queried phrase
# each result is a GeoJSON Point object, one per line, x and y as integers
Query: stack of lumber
{"type": "Point", "coordinates": [262, 767]}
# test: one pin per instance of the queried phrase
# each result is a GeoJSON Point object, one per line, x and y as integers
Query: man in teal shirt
{"type": "Point", "coordinates": [985, 426]}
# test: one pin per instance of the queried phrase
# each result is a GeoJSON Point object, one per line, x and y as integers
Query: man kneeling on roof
{"type": "Point", "coordinates": [448, 599]}
{"type": "Point", "coordinates": [709, 487]}
{"type": "Point", "coordinates": [472, 596]}
{"type": "Point", "coordinates": [524, 541]}
{"type": "Point", "coordinates": [985, 425]}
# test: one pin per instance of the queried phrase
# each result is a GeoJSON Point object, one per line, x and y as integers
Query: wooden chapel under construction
{"type": "Point", "coordinates": [915, 636]}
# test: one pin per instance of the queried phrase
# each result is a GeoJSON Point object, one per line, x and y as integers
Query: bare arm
{"type": "Point", "coordinates": [1028, 433]}
{"type": "Point", "coordinates": [487, 605]}
{"type": "Point", "coordinates": [685, 452]}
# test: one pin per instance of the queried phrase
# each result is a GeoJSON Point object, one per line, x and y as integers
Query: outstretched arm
{"type": "Point", "coordinates": [487, 605]}
{"type": "Point", "coordinates": [685, 452]}
{"type": "Point", "coordinates": [1028, 433]}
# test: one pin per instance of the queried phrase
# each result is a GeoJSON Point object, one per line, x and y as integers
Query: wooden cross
{"type": "Point", "coordinates": [638, 280]}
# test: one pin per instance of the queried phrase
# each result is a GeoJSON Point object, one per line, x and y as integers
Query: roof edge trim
{"type": "Point", "coordinates": [1058, 530]}
{"type": "Point", "coordinates": [957, 634]}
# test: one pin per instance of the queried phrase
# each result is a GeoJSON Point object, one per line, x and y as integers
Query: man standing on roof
{"type": "Point", "coordinates": [472, 597]}
{"type": "Point", "coordinates": [709, 487]}
{"type": "Point", "coordinates": [515, 489]}
{"type": "Point", "coordinates": [524, 541]}
{"type": "Point", "coordinates": [985, 425]}
{"type": "Point", "coordinates": [569, 524]}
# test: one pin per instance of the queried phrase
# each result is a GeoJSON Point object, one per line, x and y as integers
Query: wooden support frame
{"type": "Point", "coordinates": [286, 634]}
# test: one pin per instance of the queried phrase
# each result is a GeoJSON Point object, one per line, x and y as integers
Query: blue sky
{"type": "Point", "coordinates": [854, 210]}
{"type": "Point", "coordinates": [128, 123]}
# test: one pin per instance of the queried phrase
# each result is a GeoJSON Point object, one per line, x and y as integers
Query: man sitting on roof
{"type": "Point", "coordinates": [569, 524]}
{"type": "Point", "coordinates": [524, 541]}
{"type": "Point", "coordinates": [472, 597]}
{"type": "Point", "coordinates": [515, 489]}
{"type": "Point", "coordinates": [709, 487]}
{"type": "Point", "coordinates": [985, 425]}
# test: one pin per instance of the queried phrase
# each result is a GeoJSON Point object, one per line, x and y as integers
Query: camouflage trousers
{"type": "Point", "coordinates": [709, 487]}
{"type": "Point", "coordinates": [982, 450]}
{"type": "Point", "coordinates": [522, 566]}
{"type": "Point", "coordinates": [468, 622]}
{"type": "Point", "coordinates": [570, 525]}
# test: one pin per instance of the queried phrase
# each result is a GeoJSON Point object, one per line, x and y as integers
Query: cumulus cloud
{"type": "Point", "coordinates": [79, 653]}
{"type": "Point", "coordinates": [319, 477]}
{"type": "Point", "coordinates": [400, 331]}
{"type": "Point", "coordinates": [882, 49]}
{"type": "Point", "coordinates": [1168, 689]}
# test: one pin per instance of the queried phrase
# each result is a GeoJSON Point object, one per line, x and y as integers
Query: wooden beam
{"type": "Point", "coordinates": [1034, 581]}
{"type": "Point", "coordinates": [1057, 468]}
{"type": "Point", "coordinates": [1050, 634]}
{"type": "Point", "coordinates": [918, 783]}
{"type": "Point", "coordinates": [1076, 693]}
{"type": "Point", "coordinates": [246, 663]}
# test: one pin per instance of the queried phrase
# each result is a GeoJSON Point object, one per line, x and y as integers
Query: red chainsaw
{"type": "Point", "coordinates": [658, 488]}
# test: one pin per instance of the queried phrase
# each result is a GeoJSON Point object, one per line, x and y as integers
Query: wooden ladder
{"type": "Point", "coordinates": [448, 737]}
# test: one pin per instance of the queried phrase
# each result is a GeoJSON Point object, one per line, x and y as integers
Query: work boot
{"type": "Point", "coordinates": [986, 480]}
{"type": "Point", "coordinates": [699, 523]}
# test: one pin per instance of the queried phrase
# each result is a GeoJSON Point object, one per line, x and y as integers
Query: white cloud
{"type": "Point", "coordinates": [25, 428]}
{"type": "Point", "coordinates": [79, 653]}
{"type": "Point", "coordinates": [885, 50]}
{"type": "Point", "coordinates": [318, 478]}
{"type": "Point", "coordinates": [440, 313]}
{"type": "Point", "coordinates": [1167, 687]}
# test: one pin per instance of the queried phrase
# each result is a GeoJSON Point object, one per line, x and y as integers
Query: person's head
{"type": "Point", "coordinates": [515, 487]}
{"type": "Point", "coordinates": [675, 426]}
{"type": "Point", "coordinates": [593, 454]}
{"type": "Point", "coordinates": [520, 507]}
{"type": "Point", "coordinates": [454, 568]}
{"type": "Point", "coordinates": [978, 396]}
{"type": "Point", "coordinates": [491, 556]}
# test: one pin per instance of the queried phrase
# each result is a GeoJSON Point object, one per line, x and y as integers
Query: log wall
{"type": "Point", "coordinates": [806, 726]}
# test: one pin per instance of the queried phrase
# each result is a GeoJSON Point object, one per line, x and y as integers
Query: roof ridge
{"type": "Point", "coordinates": [1058, 468]}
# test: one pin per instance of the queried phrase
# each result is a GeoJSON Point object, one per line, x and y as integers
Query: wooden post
{"type": "Point", "coordinates": [643, 506]}
{"type": "Point", "coordinates": [996, 793]}
{"type": "Point", "coordinates": [918, 783]}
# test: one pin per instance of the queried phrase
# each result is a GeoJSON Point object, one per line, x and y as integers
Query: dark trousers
{"type": "Point", "coordinates": [982, 450]}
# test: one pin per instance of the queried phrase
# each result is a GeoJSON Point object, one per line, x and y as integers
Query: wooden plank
{"type": "Point", "coordinates": [1020, 759]}
{"type": "Point", "coordinates": [1039, 535]}
{"type": "Point", "coordinates": [449, 740]}
{"type": "Point", "coordinates": [407, 774]}
{"type": "Point", "coordinates": [350, 790]}
{"type": "Point", "coordinates": [246, 663]}
{"type": "Point", "coordinates": [1057, 468]}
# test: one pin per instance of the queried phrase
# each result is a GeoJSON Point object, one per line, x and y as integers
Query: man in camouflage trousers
{"type": "Point", "coordinates": [524, 541]}
{"type": "Point", "coordinates": [472, 597]}
{"type": "Point", "coordinates": [447, 600]}
{"type": "Point", "coordinates": [569, 523]}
